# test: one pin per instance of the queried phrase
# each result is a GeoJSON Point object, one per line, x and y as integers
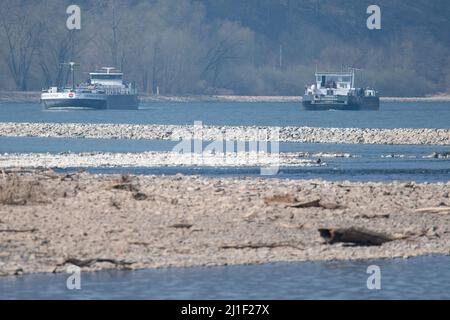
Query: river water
{"type": "Point", "coordinates": [369, 162]}
{"type": "Point", "coordinates": [391, 115]}
{"type": "Point", "coordinates": [417, 278]}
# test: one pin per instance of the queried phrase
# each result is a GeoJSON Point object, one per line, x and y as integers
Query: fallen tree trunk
{"type": "Point", "coordinates": [356, 236]}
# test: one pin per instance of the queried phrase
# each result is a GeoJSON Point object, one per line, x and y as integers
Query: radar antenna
{"type": "Point", "coordinates": [109, 69]}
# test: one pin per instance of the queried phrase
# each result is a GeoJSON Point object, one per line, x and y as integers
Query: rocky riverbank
{"type": "Point", "coordinates": [219, 133]}
{"type": "Point", "coordinates": [49, 221]}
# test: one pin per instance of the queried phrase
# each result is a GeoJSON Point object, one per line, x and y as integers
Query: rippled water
{"type": "Point", "coordinates": [417, 278]}
{"type": "Point", "coordinates": [368, 162]}
{"type": "Point", "coordinates": [391, 115]}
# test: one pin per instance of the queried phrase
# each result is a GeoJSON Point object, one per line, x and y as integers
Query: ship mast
{"type": "Point", "coordinates": [72, 71]}
{"type": "Point", "coordinates": [352, 69]}
{"type": "Point", "coordinates": [353, 78]}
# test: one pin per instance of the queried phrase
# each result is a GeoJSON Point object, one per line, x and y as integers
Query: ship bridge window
{"type": "Point", "coordinates": [347, 79]}
{"type": "Point", "coordinates": [106, 77]}
{"type": "Point", "coordinates": [334, 78]}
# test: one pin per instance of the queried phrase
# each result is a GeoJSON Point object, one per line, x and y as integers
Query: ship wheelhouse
{"type": "Point", "coordinates": [107, 78]}
{"type": "Point", "coordinates": [342, 82]}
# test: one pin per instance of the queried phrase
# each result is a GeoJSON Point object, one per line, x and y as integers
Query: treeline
{"type": "Point", "coordinates": [255, 47]}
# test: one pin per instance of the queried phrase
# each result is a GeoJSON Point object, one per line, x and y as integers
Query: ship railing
{"type": "Point", "coordinates": [119, 91]}
{"type": "Point", "coordinates": [327, 97]}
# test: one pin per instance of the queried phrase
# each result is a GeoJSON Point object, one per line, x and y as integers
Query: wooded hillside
{"type": "Point", "coordinates": [254, 47]}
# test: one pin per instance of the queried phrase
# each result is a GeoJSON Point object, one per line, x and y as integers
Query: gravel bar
{"type": "Point", "coordinates": [49, 221]}
{"type": "Point", "coordinates": [163, 159]}
{"type": "Point", "coordinates": [403, 136]}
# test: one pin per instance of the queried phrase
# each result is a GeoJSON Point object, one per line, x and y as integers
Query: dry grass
{"type": "Point", "coordinates": [18, 191]}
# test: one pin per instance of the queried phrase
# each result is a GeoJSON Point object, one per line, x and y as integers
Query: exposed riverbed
{"type": "Point", "coordinates": [49, 220]}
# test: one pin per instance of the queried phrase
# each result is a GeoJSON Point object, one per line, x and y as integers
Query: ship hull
{"type": "Point", "coordinates": [121, 102]}
{"type": "Point", "coordinates": [81, 104]}
{"type": "Point", "coordinates": [344, 103]}
{"type": "Point", "coordinates": [77, 101]}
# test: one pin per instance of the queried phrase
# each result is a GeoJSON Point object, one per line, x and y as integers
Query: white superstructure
{"type": "Point", "coordinates": [336, 91]}
{"type": "Point", "coordinates": [104, 90]}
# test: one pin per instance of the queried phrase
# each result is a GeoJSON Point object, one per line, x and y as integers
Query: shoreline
{"type": "Point", "coordinates": [50, 221]}
{"type": "Point", "coordinates": [368, 261]}
{"type": "Point", "coordinates": [34, 97]}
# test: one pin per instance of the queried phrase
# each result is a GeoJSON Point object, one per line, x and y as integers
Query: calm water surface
{"type": "Point", "coordinates": [369, 162]}
{"type": "Point", "coordinates": [391, 115]}
{"type": "Point", "coordinates": [417, 278]}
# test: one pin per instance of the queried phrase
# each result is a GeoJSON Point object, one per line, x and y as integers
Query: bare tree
{"type": "Point", "coordinates": [58, 48]}
{"type": "Point", "coordinates": [22, 31]}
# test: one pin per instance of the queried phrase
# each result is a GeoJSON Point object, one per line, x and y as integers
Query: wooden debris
{"type": "Point", "coordinates": [437, 210]}
{"type": "Point", "coordinates": [90, 262]}
{"type": "Point", "coordinates": [181, 226]}
{"type": "Point", "coordinates": [293, 202]}
{"type": "Point", "coordinates": [263, 245]}
{"type": "Point", "coordinates": [373, 216]}
{"type": "Point", "coordinates": [139, 196]}
{"type": "Point", "coordinates": [125, 183]}
{"type": "Point", "coordinates": [116, 204]}
{"type": "Point", "coordinates": [306, 204]}
{"type": "Point", "coordinates": [356, 236]}
{"type": "Point", "coordinates": [125, 187]}
{"type": "Point", "coordinates": [139, 243]}
{"type": "Point", "coordinates": [18, 231]}
{"type": "Point", "coordinates": [329, 205]}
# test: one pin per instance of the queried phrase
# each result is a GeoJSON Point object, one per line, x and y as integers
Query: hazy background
{"type": "Point", "coordinates": [251, 47]}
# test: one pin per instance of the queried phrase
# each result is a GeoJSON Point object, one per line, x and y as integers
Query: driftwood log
{"type": "Point", "coordinates": [436, 210]}
{"type": "Point", "coordinates": [90, 262]}
{"type": "Point", "coordinates": [18, 231]}
{"type": "Point", "coordinates": [263, 245]}
{"type": "Point", "coordinates": [356, 236]}
{"type": "Point", "coordinates": [293, 202]}
{"type": "Point", "coordinates": [181, 226]}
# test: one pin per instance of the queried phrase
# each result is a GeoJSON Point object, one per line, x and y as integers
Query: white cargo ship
{"type": "Point", "coordinates": [336, 91]}
{"type": "Point", "coordinates": [104, 90]}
